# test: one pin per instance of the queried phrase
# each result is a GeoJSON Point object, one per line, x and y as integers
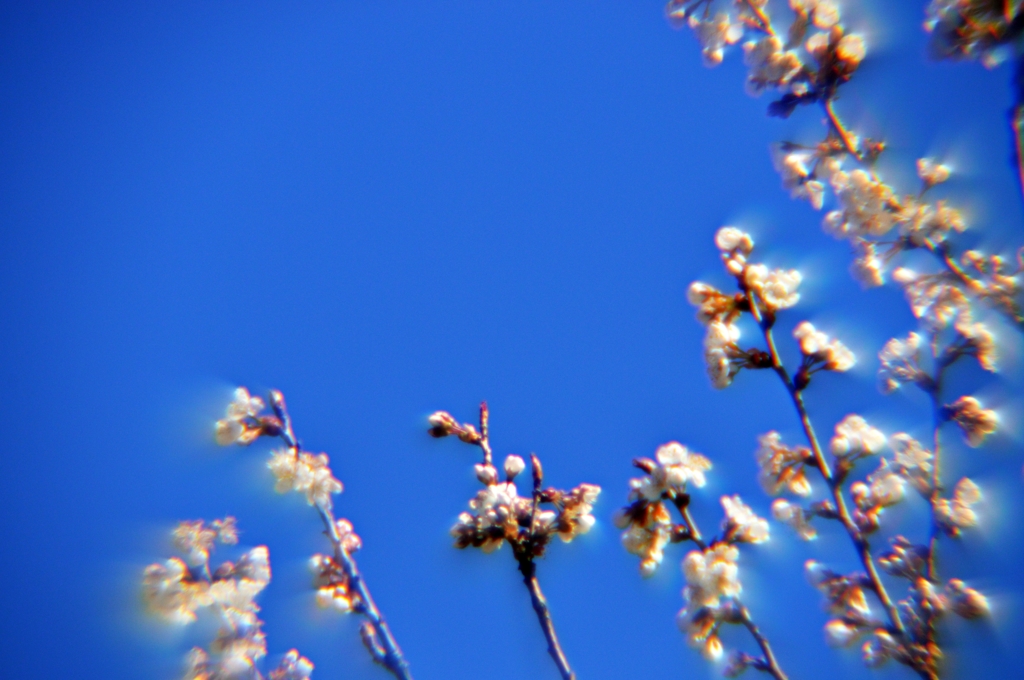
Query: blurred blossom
{"type": "Point", "coordinates": [855, 437]}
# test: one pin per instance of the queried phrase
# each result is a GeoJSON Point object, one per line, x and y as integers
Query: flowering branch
{"type": "Point", "coordinates": [860, 543]}
{"type": "Point", "coordinates": [989, 31]}
{"type": "Point", "coordinates": [945, 313]}
{"type": "Point", "coordinates": [339, 582]}
{"type": "Point", "coordinates": [177, 592]}
{"type": "Point", "coordinates": [499, 515]}
{"type": "Point", "coordinates": [818, 57]}
{"type": "Point", "coordinates": [712, 593]}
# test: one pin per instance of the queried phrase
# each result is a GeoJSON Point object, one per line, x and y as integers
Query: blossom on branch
{"type": "Point", "coordinates": [975, 421]}
{"type": "Point", "coordinates": [741, 525]}
{"type": "Point", "coordinates": [782, 467]}
{"type": "Point", "coordinates": [819, 347]}
{"type": "Point", "coordinates": [854, 437]}
{"type": "Point", "coordinates": [307, 473]}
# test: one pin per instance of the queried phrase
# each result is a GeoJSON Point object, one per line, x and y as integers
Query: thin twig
{"type": "Point", "coordinates": [772, 663]}
{"type": "Point", "coordinates": [935, 394]}
{"type": "Point", "coordinates": [840, 129]}
{"type": "Point", "coordinates": [540, 607]}
{"type": "Point", "coordinates": [766, 23]}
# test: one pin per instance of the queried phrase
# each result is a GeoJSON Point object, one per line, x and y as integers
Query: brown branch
{"type": "Point", "coordinates": [540, 607]}
{"type": "Point", "coordinates": [840, 129]}
{"type": "Point", "coordinates": [766, 23]}
{"type": "Point", "coordinates": [772, 664]}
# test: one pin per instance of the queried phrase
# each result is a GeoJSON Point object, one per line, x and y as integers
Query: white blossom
{"type": "Point", "coordinates": [958, 511]}
{"type": "Point", "coordinates": [975, 421]}
{"type": "Point", "coordinates": [710, 575]}
{"type": "Point", "coordinates": [935, 300]}
{"type": "Point", "coordinates": [813, 343]}
{"type": "Point", "coordinates": [838, 633]}
{"type": "Point", "coordinates": [793, 515]}
{"type": "Point", "coordinates": [931, 171]}
{"type": "Point", "coordinates": [514, 465]}
{"type": "Point", "coordinates": [235, 427]}
{"type": "Point", "coordinates": [293, 666]}
{"type": "Point", "coordinates": [306, 473]}
{"type": "Point", "coordinates": [741, 524]}
{"type": "Point", "coordinates": [900, 362]}
{"type": "Point", "coordinates": [775, 287]}
{"type": "Point", "coordinates": [855, 437]}
{"type": "Point", "coordinates": [714, 34]}
{"type": "Point", "coordinates": [866, 205]}
{"type": "Point", "coordinates": [770, 64]}
{"type": "Point", "coordinates": [782, 467]}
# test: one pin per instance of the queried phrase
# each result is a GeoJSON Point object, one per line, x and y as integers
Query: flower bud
{"type": "Point", "coordinates": [442, 424]}
{"type": "Point", "coordinates": [487, 475]}
{"type": "Point", "coordinates": [468, 434]}
{"type": "Point", "coordinates": [513, 466]}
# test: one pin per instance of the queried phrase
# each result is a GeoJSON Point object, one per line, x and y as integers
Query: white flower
{"type": "Point", "coordinates": [721, 354]}
{"type": "Point", "coordinates": [712, 304]}
{"type": "Point", "coordinates": [770, 65]}
{"type": "Point", "coordinates": [513, 466]}
{"type": "Point", "coordinates": [975, 421]}
{"type": "Point", "coordinates": [681, 466]}
{"type": "Point", "coordinates": [838, 633]}
{"type": "Point", "coordinates": [866, 205]}
{"type": "Point", "coordinates": [909, 452]}
{"type": "Point", "coordinates": [793, 515]}
{"type": "Point", "coordinates": [813, 343]}
{"type": "Point", "coordinates": [979, 341]}
{"type": "Point", "coordinates": [575, 517]}
{"type": "Point", "coordinates": [931, 171]}
{"type": "Point", "coordinates": [854, 436]}
{"type": "Point", "coordinates": [966, 602]}
{"type": "Point", "coordinates": [900, 362]}
{"type": "Point", "coordinates": [305, 473]}
{"type": "Point", "coordinates": [886, 486]}
{"type": "Point", "coordinates": [710, 575]}
{"type": "Point", "coordinates": [959, 512]}
{"type": "Point", "coordinates": [715, 34]}
{"type": "Point", "coordinates": [741, 524]}
{"type": "Point", "coordinates": [170, 591]}
{"type": "Point", "coordinates": [933, 298]}
{"type": "Point", "coordinates": [729, 239]}
{"type": "Point", "coordinates": [293, 666]}
{"type": "Point", "coordinates": [194, 539]}
{"type": "Point", "coordinates": [851, 50]}
{"type": "Point", "coordinates": [867, 267]}
{"type": "Point", "coordinates": [235, 428]}
{"type": "Point", "coordinates": [776, 287]}
{"type": "Point", "coordinates": [782, 466]}
{"type": "Point", "coordinates": [648, 537]}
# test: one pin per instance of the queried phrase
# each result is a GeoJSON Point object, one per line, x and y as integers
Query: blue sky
{"type": "Point", "coordinates": [385, 209]}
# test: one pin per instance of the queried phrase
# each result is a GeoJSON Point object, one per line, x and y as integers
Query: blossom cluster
{"type": "Point", "coordinates": [336, 578]}
{"type": "Point", "coordinates": [295, 470]}
{"type": "Point", "coordinates": [499, 514]}
{"type": "Point", "coordinates": [711, 595]}
{"type": "Point", "coordinates": [333, 586]}
{"type": "Point", "coordinates": [179, 590]}
{"type": "Point", "coordinates": [763, 292]}
{"type": "Point", "coordinates": [818, 56]}
{"type": "Point", "coordinates": [974, 29]}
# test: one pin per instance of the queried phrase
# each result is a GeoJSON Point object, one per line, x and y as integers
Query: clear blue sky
{"type": "Point", "coordinates": [385, 209]}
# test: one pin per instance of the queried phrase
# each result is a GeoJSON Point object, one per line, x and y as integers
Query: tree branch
{"type": "Point", "coordinates": [540, 607]}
